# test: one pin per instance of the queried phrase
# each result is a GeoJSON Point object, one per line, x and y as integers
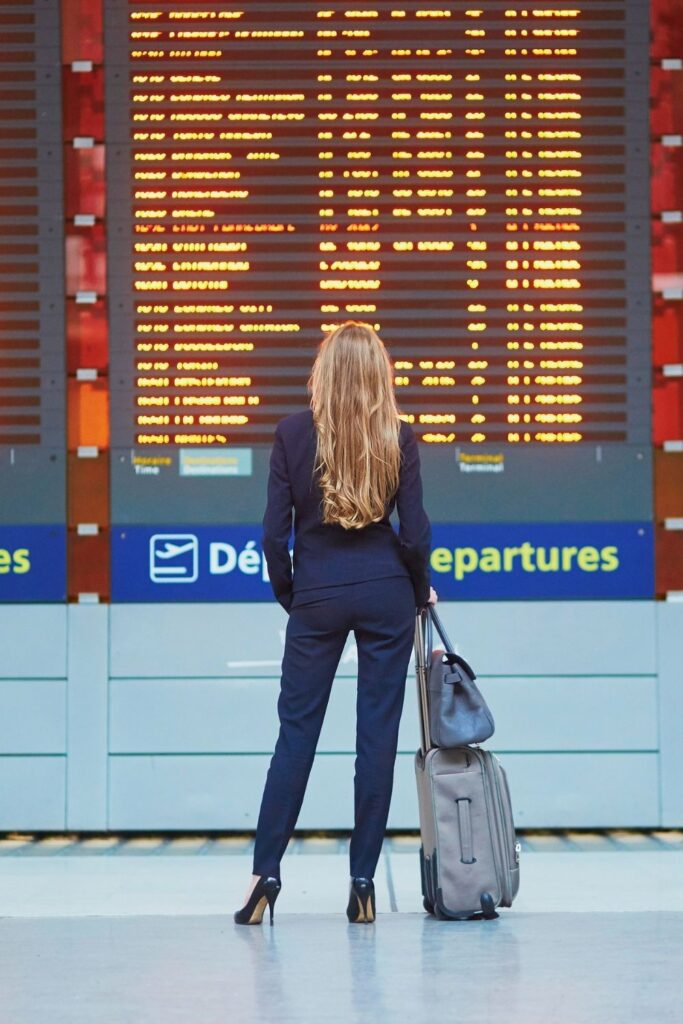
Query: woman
{"type": "Point", "coordinates": [341, 467]}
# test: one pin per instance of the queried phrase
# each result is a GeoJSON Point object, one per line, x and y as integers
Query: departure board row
{"type": "Point", "coordinates": [464, 178]}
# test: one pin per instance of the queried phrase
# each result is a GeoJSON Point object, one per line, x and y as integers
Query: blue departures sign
{"type": "Point", "coordinates": [498, 561]}
{"type": "Point", "coordinates": [470, 561]}
{"type": "Point", "coordinates": [32, 563]}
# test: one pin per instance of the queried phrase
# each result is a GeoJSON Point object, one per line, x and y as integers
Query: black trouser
{"type": "Point", "coordinates": [381, 614]}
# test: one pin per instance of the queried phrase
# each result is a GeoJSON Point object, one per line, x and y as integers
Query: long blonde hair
{"type": "Point", "coordinates": [357, 424]}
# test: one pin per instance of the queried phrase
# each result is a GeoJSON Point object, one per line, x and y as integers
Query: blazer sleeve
{"type": "Point", "coordinates": [277, 524]}
{"type": "Point", "coordinates": [415, 532]}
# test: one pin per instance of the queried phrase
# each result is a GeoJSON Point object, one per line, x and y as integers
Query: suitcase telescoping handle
{"type": "Point", "coordinates": [423, 658]}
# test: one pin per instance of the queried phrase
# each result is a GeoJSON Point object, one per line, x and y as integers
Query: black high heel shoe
{"type": "Point", "coordinates": [265, 893]}
{"type": "Point", "coordinates": [361, 908]}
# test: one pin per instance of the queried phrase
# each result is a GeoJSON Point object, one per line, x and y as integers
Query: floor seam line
{"type": "Point", "coordinates": [390, 884]}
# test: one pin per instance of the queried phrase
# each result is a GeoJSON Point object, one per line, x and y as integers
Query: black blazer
{"type": "Point", "coordinates": [326, 554]}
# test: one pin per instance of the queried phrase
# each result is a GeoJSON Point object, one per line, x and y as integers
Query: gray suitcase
{"type": "Point", "coordinates": [469, 857]}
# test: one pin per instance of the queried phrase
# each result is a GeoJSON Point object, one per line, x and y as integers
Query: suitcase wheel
{"type": "Point", "coordinates": [429, 907]}
{"type": "Point", "coordinates": [488, 907]}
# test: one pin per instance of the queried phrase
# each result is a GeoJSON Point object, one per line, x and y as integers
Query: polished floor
{"type": "Point", "coordinates": [116, 931]}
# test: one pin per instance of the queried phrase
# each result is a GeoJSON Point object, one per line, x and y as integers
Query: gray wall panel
{"type": "Point", "coordinates": [555, 638]}
{"type": "Point", "coordinates": [185, 792]}
{"type": "Point", "coordinates": [32, 641]}
{"type": "Point", "coordinates": [32, 716]}
{"type": "Point", "coordinates": [198, 715]}
{"type": "Point", "coordinates": [239, 715]}
{"type": "Point", "coordinates": [32, 793]}
{"type": "Point", "coordinates": [670, 651]}
{"type": "Point", "coordinates": [584, 790]}
{"type": "Point", "coordinates": [581, 713]}
{"type": "Point", "coordinates": [223, 791]}
{"type": "Point", "coordinates": [198, 721]}
{"type": "Point", "coordinates": [500, 637]}
{"type": "Point", "coordinates": [196, 640]}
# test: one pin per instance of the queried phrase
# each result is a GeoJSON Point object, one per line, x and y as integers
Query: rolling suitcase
{"type": "Point", "coordinates": [469, 857]}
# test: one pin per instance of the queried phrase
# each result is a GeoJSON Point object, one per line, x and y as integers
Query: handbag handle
{"type": "Point", "coordinates": [453, 658]}
{"type": "Point", "coordinates": [429, 618]}
{"type": "Point", "coordinates": [434, 618]}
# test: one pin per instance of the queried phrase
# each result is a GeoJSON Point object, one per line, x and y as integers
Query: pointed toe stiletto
{"type": "Point", "coordinates": [264, 894]}
{"type": "Point", "coordinates": [361, 908]}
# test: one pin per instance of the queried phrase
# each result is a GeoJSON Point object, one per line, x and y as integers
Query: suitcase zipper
{"type": "Point", "coordinates": [493, 769]}
{"type": "Point", "coordinates": [503, 831]}
{"type": "Point", "coordinates": [499, 853]}
{"type": "Point", "coordinates": [507, 805]}
{"type": "Point", "coordinates": [503, 836]}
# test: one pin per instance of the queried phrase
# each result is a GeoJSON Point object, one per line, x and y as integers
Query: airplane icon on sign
{"type": "Point", "coordinates": [173, 558]}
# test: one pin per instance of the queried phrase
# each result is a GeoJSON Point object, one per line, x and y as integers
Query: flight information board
{"type": "Point", "coordinates": [32, 307]}
{"type": "Point", "coordinates": [470, 179]}
{"type": "Point", "coordinates": [31, 230]}
{"type": "Point", "coordinates": [465, 178]}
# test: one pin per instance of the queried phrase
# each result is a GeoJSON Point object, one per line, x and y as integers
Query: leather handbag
{"type": "Point", "coordinates": [458, 713]}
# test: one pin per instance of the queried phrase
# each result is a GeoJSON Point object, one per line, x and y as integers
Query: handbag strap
{"type": "Point", "coordinates": [429, 618]}
{"type": "Point", "coordinates": [452, 657]}
{"type": "Point", "coordinates": [434, 618]}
